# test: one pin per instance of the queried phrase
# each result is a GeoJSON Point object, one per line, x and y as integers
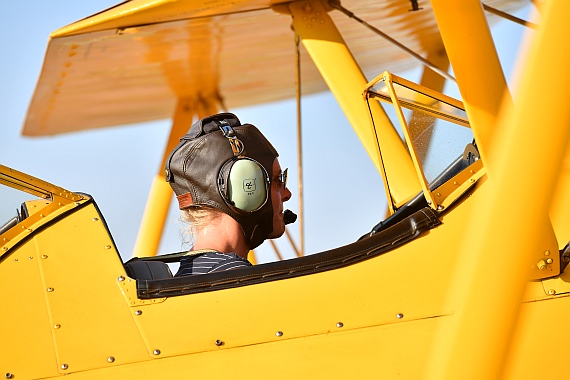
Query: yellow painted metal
{"type": "Point", "coordinates": [559, 285]}
{"type": "Point", "coordinates": [536, 337]}
{"type": "Point", "coordinates": [27, 348]}
{"type": "Point", "coordinates": [510, 223]}
{"type": "Point", "coordinates": [300, 194]}
{"type": "Point", "coordinates": [99, 326]}
{"type": "Point", "coordinates": [73, 310]}
{"type": "Point", "coordinates": [344, 78]}
{"type": "Point", "coordinates": [137, 63]}
{"type": "Point", "coordinates": [52, 268]}
{"type": "Point", "coordinates": [80, 275]}
{"type": "Point", "coordinates": [415, 159]}
{"type": "Point", "coordinates": [561, 204]}
{"type": "Point", "coordinates": [380, 317]}
{"type": "Point", "coordinates": [251, 257]}
{"type": "Point", "coordinates": [456, 186]}
{"type": "Point", "coordinates": [477, 69]}
{"type": "Point", "coordinates": [387, 288]}
{"type": "Point", "coordinates": [154, 218]}
{"type": "Point", "coordinates": [35, 186]}
{"type": "Point", "coordinates": [57, 201]}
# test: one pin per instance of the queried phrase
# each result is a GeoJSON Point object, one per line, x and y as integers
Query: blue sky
{"type": "Point", "coordinates": [343, 192]}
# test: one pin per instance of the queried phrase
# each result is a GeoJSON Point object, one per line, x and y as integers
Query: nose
{"type": "Point", "coordinates": [286, 195]}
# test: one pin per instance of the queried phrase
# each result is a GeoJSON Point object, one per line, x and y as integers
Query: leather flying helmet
{"type": "Point", "coordinates": [226, 165]}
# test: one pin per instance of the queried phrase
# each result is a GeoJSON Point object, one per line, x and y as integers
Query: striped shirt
{"type": "Point", "coordinates": [210, 261]}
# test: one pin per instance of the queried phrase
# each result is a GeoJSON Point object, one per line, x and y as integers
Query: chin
{"type": "Point", "coordinates": [277, 232]}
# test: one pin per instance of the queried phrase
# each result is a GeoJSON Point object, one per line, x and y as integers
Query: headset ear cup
{"type": "Point", "coordinates": [247, 185]}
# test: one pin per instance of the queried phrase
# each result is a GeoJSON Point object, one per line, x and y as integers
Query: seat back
{"type": "Point", "coordinates": [147, 270]}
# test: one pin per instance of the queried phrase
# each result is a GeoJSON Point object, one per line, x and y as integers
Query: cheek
{"type": "Point", "coordinates": [275, 197]}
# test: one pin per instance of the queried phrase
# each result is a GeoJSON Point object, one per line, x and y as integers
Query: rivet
{"type": "Point", "coordinates": [31, 257]}
{"type": "Point", "coordinates": [107, 247]}
{"type": "Point", "coordinates": [42, 215]}
{"type": "Point", "coordinates": [29, 230]}
{"type": "Point", "coordinates": [138, 312]}
{"type": "Point", "coordinates": [95, 219]}
{"type": "Point", "coordinates": [339, 324]}
{"type": "Point", "coordinates": [4, 248]}
{"type": "Point", "coordinates": [472, 180]}
{"type": "Point", "coordinates": [156, 352]}
{"type": "Point", "coordinates": [49, 290]}
{"type": "Point", "coordinates": [439, 194]}
{"type": "Point", "coordinates": [547, 253]}
{"type": "Point", "coordinates": [44, 256]}
{"type": "Point", "coordinates": [219, 343]}
{"type": "Point", "coordinates": [121, 278]}
{"type": "Point", "coordinates": [110, 359]}
{"type": "Point", "coordinates": [279, 333]}
{"type": "Point", "coordinates": [440, 207]}
{"type": "Point", "coordinates": [429, 202]}
{"type": "Point", "coordinates": [16, 260]}
{"type": "Point", "coordinates": [56, 326]}
{"type": "Point", "coordinates": [9, 375]}
{"type": "Point", "coordinates": [399, 315]}
{"type": "Point", "coordinates": [77, 203]}
{"type": "Point", "coordinates": [552, 292]}
{"type": "Point", "coordinates": [549, 261]}
{"type": "Point", "coordinates": [64, 366]}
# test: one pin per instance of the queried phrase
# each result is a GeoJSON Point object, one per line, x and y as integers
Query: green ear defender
{"type": "Point", "coordinates": [244, 184]}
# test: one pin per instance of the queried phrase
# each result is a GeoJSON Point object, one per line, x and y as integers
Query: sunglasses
{"type": "Point", "coordinates": [281, 178]}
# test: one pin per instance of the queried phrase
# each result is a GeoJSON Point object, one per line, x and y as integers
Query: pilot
{"type": "Point", "coordinates": [231, 189]}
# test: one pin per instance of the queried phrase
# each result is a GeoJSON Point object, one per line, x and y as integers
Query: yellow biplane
{"type": "Point", "coordinates": [464, 278]}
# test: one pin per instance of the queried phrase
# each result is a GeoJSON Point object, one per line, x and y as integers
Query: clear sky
{"type": "Point", "coordinates": [343, 192]}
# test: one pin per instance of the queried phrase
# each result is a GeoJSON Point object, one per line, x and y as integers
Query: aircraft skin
{"type": "Point", "coordinates": [475, 288]}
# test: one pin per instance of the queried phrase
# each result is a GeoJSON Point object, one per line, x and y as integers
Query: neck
{"type": "Point", "coordinates": [224, 235]}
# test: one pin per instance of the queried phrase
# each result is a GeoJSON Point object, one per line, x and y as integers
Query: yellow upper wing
{"type": "Point", "coordinates": [130, 63]}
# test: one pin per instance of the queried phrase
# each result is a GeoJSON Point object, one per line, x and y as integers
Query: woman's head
{"type": "Point", "coordinates": [206, 169]}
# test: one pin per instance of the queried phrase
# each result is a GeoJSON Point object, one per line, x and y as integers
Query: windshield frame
{"type": "Point", "coordinates": [385, 88]}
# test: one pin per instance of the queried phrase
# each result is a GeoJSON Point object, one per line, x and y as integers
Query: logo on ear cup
{"type": "Point", "coordinates": [247, 185]}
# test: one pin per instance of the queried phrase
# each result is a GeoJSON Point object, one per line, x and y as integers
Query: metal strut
{"type": "Point", "coordinates": [301, 250]}
{"type": "Point", "coordinates": [509, 17]}
{"type": "Point", "coordinates": [336, 5]}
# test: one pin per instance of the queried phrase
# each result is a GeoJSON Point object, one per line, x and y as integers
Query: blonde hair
{"type": "Point", "coordinates": [194, 218]}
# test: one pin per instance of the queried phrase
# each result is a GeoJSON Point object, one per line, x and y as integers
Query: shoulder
{"type": "Point", "coordinates": [210, 261]}
{"type": "Point", "coordinates": [226, 261]}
